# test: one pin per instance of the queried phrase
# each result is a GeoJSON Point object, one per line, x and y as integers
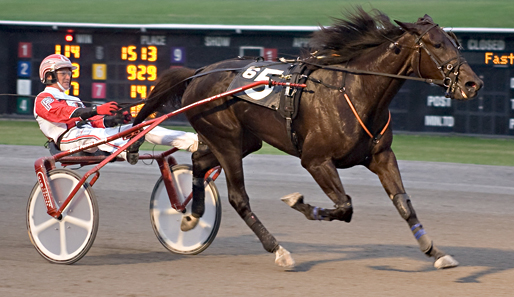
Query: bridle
{"type": "Point", "coordinates": [450, 71]}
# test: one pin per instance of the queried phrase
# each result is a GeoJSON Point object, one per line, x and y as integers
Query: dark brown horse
{"type": "Point", "coordinates": [358, 65]}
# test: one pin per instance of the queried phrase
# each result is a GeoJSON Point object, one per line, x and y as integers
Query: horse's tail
{"type": "Point", "coordinates": [167, 93]}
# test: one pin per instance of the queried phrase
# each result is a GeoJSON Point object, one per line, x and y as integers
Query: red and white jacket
{"type": "Point", "coordinates": [53, 110]}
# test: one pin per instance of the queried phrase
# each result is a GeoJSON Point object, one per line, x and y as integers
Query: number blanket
{"type": "Point", "coordinates": [265, 95]}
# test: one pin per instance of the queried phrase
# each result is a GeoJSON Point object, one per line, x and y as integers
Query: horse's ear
{"type": "Point", "coordinates": [425, 19]}
{"type": "Point", "coordinates": [409, 27]}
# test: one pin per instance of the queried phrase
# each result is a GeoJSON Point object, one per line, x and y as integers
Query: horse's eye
{"type": "Point", "coordinates": [438, 45]}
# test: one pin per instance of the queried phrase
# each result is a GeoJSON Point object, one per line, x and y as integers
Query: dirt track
{"type": "Point", "coordinates": [468, 211]}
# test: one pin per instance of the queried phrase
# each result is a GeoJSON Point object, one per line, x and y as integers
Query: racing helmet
{"type": "Point", "coordinates": [51, 64]}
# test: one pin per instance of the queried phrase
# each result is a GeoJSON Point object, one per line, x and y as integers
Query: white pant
{"type": "Point", "coordinates": [76, 137]}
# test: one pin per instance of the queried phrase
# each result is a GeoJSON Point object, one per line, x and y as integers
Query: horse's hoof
{"type": "Point", "coordinates": [283, 258]}
{"type": "Point", "coordinates": [292, 199]}
{"type": "Point", "coordinates": [446, 262]}
{"type": "Point", "coordinates": [188, 223]}
{"type": "Point", "coordinates": [132, 158]}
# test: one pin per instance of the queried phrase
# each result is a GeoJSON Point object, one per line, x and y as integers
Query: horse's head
{"type": "Point", "coordinates": [438, 57]}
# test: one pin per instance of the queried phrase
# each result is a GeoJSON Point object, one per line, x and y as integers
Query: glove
{"type": "Point", "coordinates": [107, 108]}
{"type": "Point", "coordinates": [118, 119]}
{"type": "Point", "coordinates": [127, 117]}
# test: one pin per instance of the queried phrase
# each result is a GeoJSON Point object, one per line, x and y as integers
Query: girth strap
{"type": "Point", "coordinates": [290, 100]}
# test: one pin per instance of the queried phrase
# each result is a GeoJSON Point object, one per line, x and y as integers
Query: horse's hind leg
{"type": "Point", "coordinates": [232, 163]}
{"type": "Point", "coordinates": [385, 166]}
{"type": "Point", "coordinates": [203, 160]}
{"type": "Point", "coordinates": [230, 157]}
{"type": "Point", "coordinates": [325, 174]}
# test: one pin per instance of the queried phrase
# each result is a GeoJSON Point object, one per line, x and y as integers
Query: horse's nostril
{"type": "Point", "coordinates": [471, 85]}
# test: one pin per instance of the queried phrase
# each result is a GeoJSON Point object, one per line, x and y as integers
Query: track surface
{"type": "Point", "coordinates": [467, 209]}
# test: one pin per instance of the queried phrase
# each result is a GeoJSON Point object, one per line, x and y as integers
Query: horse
{"type": "Point", "coordinates": [357, 66]}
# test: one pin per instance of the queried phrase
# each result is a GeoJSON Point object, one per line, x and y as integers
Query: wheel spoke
{"type": "Point", "coordinates": [180, 194]}
{"type": "Point", "coordinates": [62, 238]}
{"type": "Point", "coordinates": [78, 222]}
{"type": "Point", "coordinates": [167, 211]}
{"type": "Point", "coordinates": [180, 238]}
{"type": "Point", "coordinates": [43, 226]}
{"type": "Point", "coordinates": [204, 224]}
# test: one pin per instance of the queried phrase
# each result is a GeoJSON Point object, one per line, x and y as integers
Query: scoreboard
{"type": "Point", "coordinates": [122, 63]}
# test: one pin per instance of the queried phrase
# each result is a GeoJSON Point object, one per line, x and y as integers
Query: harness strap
{"type": "Point", "coordinates": [425, 32]}
{"type": "Point", "coordinates": [357, 71]}
{"type": "Point", "coordinates": [376, 139]}
{"type": "Point", "coordinates": [290, 98]}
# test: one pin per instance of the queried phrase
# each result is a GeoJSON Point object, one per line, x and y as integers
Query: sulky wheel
{"type": "Point", "coordinates": [67, 240]}
{"type": "Point", "coordinates": [166, 220]}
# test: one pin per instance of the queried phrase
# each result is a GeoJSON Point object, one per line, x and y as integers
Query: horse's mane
{"type": "Point", "coordinates": [352, 36]}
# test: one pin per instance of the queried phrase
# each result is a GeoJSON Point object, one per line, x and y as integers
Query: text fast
{"type": "Point", "coordinates": [499, 60]}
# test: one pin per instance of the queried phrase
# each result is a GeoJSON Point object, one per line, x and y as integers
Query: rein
{"type": "Point", "coordinates": [358, 71]}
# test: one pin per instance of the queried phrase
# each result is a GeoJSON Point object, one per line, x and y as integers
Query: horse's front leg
{"type": "Point", "coordinates": [325, 174]}
{"type": "Point", "coordinates": [203, 160]}
{"type": "Point", "coordinates": [384, 165]}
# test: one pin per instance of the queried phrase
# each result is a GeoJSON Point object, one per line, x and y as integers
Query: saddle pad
{"type": "Point", "coordinates": [257, 71]}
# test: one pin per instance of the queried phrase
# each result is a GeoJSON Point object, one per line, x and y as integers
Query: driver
{"type": "Point", "coordinates": [62, 118]}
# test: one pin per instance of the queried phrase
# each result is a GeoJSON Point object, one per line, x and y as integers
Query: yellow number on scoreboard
{"type": "Point", "coordinates": [138, 91]}
{"type": "Point", "coordinates": [76, 72]}
{"type": "Point", "coordinates": [69, 50]}
{"type": "Point", "coordinates": [141, 72]}
{"type": "Point", "coordinates": [130, 53]}
{"type": "Point", "coordinates": [74, 89]}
